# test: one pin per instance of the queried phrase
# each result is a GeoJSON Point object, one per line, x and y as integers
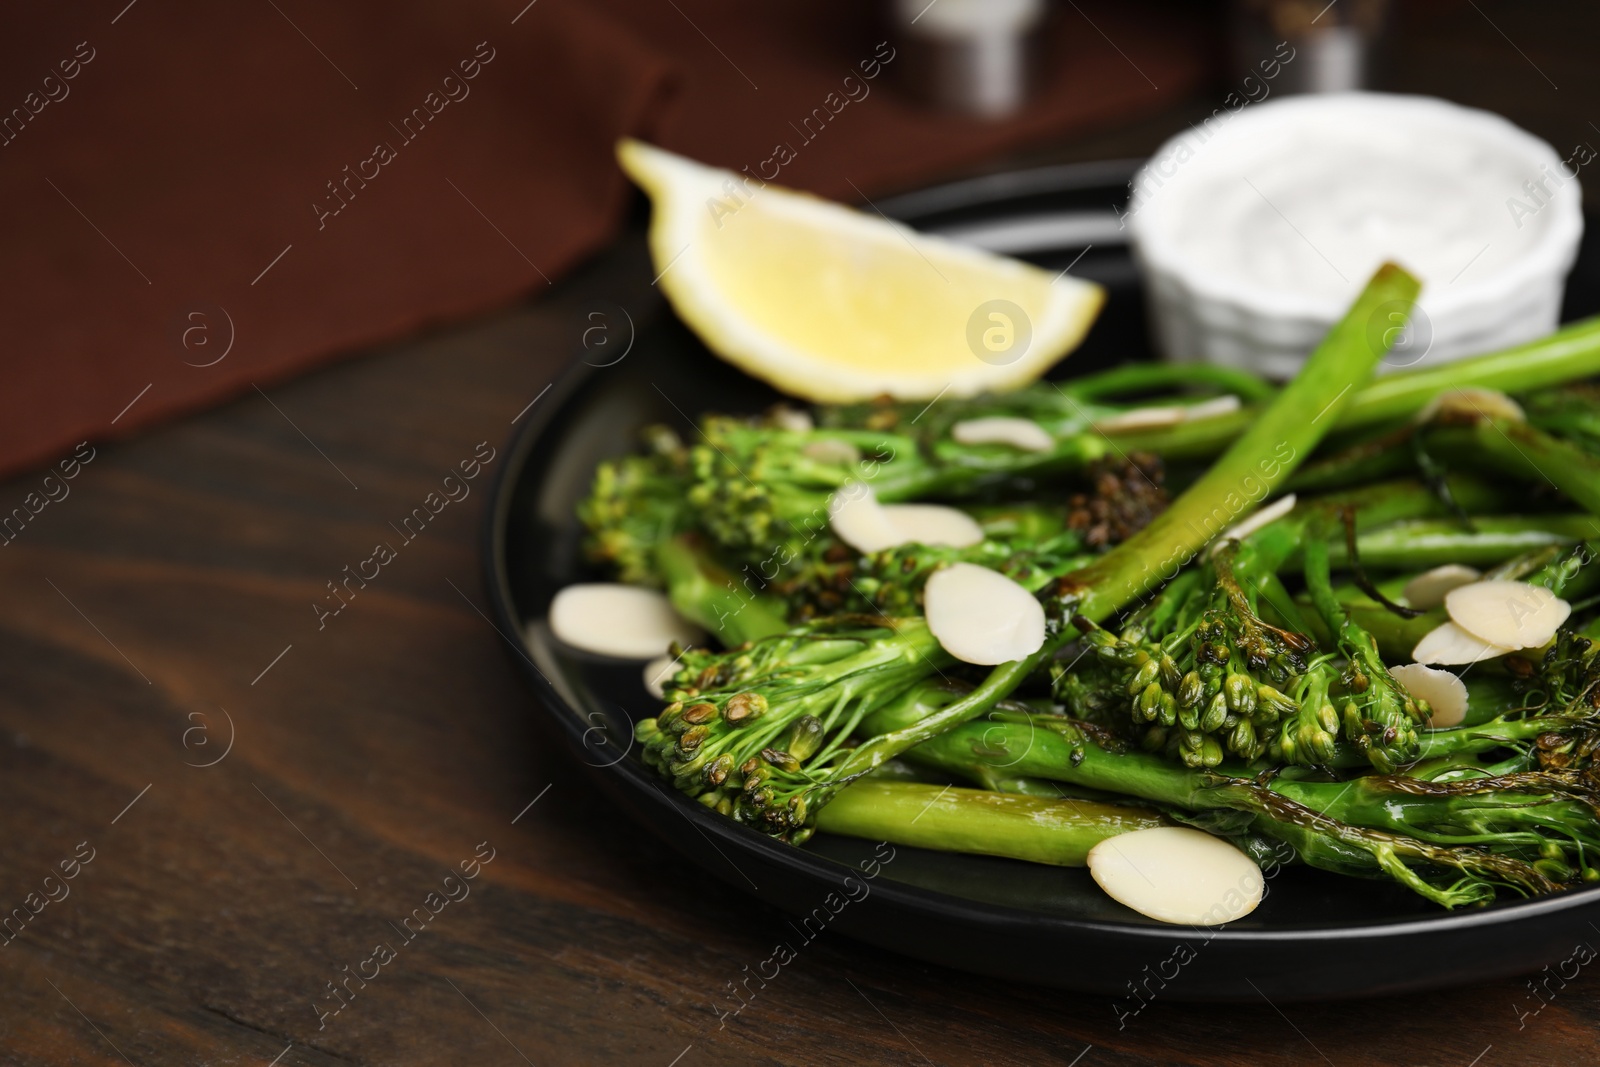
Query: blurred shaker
{"type": "Point", "coordinates": [974, 56]}
{"type": "Point", "coordinates": [1335, 44]}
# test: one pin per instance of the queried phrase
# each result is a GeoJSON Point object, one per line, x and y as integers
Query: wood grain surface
{"type": "Point", "coordinates": [158, 618]}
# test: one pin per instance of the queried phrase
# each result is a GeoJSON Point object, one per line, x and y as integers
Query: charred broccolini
{"type": "Point", "coordinates": [1237, 684]}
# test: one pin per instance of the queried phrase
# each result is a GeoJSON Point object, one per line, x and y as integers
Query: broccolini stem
{"type": "Point", "coordinates": [1529, 453]}
{"type": "Point", "coordinates": [955, 819]}
{"type": "Point", "coordinates": [1275, 545]}
{"type": "Point", "coordinates": [1459, 742]}
{"type": "Point", "coordinates": [1418, 544]}
{"type": "Point", "coordinates": [1378, 715]}
{"type": "Point", "coordinates": [1396, 637]}
{"type": "Point", "coordinates": [1277, 601]}
{"type": "Point", "coordinates": [958, 470]}
{"type": "Point", "coordinates": [1163, 377]}
{"type": "Point", "coordinates": [1571, 410]}
{"type": "Point", "coordinates": [1373, 459]}
{"type": "Point", "coordinates": [706, 595]}
{"type": "Point", "coordinates": [1329, 824]}
{"type": "Point", "coordinates": [1570, 353]}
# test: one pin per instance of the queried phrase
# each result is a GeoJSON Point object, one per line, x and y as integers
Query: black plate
{"type": "Point", "coordinates": [1316, 935]}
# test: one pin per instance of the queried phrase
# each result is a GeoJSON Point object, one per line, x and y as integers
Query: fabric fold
{"type": "Point", "coordinates": [202, 199]}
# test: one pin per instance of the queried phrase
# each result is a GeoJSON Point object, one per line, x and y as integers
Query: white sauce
{"type": "Point", "coordinates": [1310, 209]}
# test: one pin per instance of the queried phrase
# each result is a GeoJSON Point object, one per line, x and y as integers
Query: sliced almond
{"type": "Point", "coordinates": [832, 450]}
{"type": "Point", "coordinates": [1449, 645]}
{"type": "Point", "coordinates": [1426, 591]}
{"type": "Point", "coordinates": [618, 620]}
{"type": "Point", "coordinates": [1177, 874]}
{"type": "Point", "coordinates": [933, 524]}
{"type": "Point", "coordinates": [1472, 402]}
{"type": "Point", "coordinates": [1217, 405]}
{"type": "Point", "coordinates": [795, 420]}
{"type": "Point", "coordinates": [1023, 434]}
{"type": "Point", "coordinates": [980, 616]}
{"type": "Point", "coordinates": [658, 672]}
{"type": "Point", "coordinates": [1445, 693]}
{"type": "Point", "coordinates": [1509, 614]}
{"type": "Point", "coordinates": [859, 520]}
{"type": "Point", "coordinates": [1269, 514]}
{"type": "Point", "coordinates": [868, 526]}
{"type": "Point", "coordinates": [1141, 419]}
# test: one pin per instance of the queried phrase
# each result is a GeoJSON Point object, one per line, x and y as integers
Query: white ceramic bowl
{"type": "Point", "coordinates": [1257, 228]}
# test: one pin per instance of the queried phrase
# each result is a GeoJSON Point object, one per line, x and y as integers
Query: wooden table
{"type": "Point", "coordinates": [250, 799]}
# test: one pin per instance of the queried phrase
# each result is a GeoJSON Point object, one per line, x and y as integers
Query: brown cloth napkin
{"type": "Point", "coordinates": [202, 198]}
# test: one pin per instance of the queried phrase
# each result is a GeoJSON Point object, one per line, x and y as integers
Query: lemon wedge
{"type": "Point", "coordinates": [836, 305]}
